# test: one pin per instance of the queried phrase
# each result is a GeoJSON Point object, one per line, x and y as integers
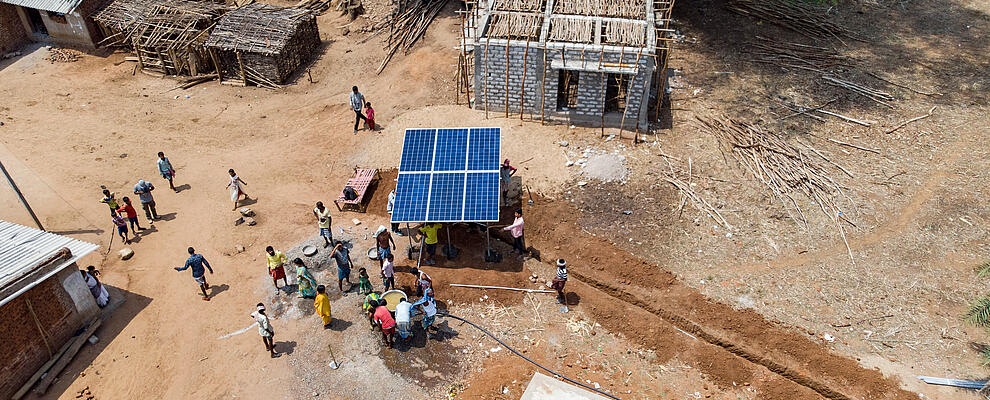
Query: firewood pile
{"type": "Point", "coordinates": [784, 168]}
{"type": "Point", "coordinates": [797, 55]}
{"type": "Point", "coordinates": [807, 19]}
{"type": "Point", "coordinates": [407, 23]}
{"type": "Point", "coordinates": [56, 54]}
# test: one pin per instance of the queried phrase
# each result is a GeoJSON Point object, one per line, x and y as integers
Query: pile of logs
{"type": "Point", "coordinates": [782, 167]}
{"type": "Point", "coordinates": [807, 19]}
{"type": "Point", "coordinates": [408, 22]}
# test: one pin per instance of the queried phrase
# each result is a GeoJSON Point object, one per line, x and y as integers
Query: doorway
{"type": "Point", "coordinates": [34, 19]}
{"type": "Point", "coordinates": [616, 90]}
{"type": "Point", "coordinates": [567, 90]}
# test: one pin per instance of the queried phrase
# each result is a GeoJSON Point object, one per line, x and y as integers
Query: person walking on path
{"type": "Point", "coordinates": [322, 306]}
{"type": "Point", "coordinates": [276, 265]}
{"type": "Point", "coordinates": [505, 173]}
{"type": "Point", "coordinates": [430, 240]}
{"type": "Point", "coordinates": [143, 189]}
{"type": "Point", "coordinates": [516, 230]}
{"type": "Point", "coordinates": [197, 262]}
{"type": "Point", "coordinates": [344, 264]}
{"type": "Point", "coordinates": [383, 318]}
{"type": "Point", "coordinates": [121, 226]}
{"type": "Point", "coordinates": [383, 238]}
{"type": "Point", "coordinates": [307, 284]}
{"type": "Point", "coordinates": [388, 273]}
{"type": "Point", "coordinates": [423, 281]}
{"type": "Point", "coordinates": [325, 223]}
{"type": "Point", "coordinates": [357, 102]}
{"type": "Point", "coordinates": [370, 113]}
{"type": "Point", "coordinates": [165, 168]}
{"type": "Point", "coordinates": [110, 199]}
{"type": "Point", "coordinates": [265, 329]}
{"type": "Point", "coordinates": [388, 208]}
{"type": "Point", "coordinates": [131, 214]}
{"type": "Point", "coordinates": [236, 187]}
{"type": "Point", "coordinates": [560, 280]}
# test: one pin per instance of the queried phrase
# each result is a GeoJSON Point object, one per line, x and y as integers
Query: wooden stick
{"type": "Point", "coordinates": [853, 120]}
{"type": "Point", "coordinates": [853, 146]}
{"type": "Point", "coordinates": [902, 124]}
{"type": "Point", "coordinates": [902, 86]}
{"type": "Point", "coordinates": [522, 89]}
{"type": "Point", "coordinates": [508, 37]}
{"type": "Point", "coordinates": [488, 44]}
{"type": "Point", "coordinates": [543, 89]}
{"type": "Point", "coordinates": [66, 357]}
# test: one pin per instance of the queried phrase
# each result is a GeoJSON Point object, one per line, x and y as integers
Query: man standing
{"type": "Point", "coordinates": [516, 229]}
{"type": "Point", "coordinates": [165, 168]}
{"type": "Point", "coordinates": [383, 238]}
{"type": "Point", "coordinates": [560, 280]}
{"type": "Point", "coordinates": [322, 306]}
{"type": "Point", "coordinates": [428, 306]}
{"type": "Point", "coordinates": [423, 281]}
{"type": "Point", "coordinates": [265, 329]}
{"type": "Point", "coordinates": [109, 199]}
{"type": "Point", "coordinates": [324, 222]}
{"type": "Point", "coordinates": [143, 190]}
{"type": "Point", "coordinates": [388, 208]}
{"type": "Point", "coordinates": [196, 262]}
{"type": "Point", "coordinates": [276, 265]}
{"type": "Point", "coordinates": [505, 175]}
{"type": "Point", "coordinates": [357, 104]}
{"type": "Point", "coordinates": [343, 258]}
{"type": "Point", "coordinates": [403, 318]}
{"type": "Point", "coordinates": [430, 240]}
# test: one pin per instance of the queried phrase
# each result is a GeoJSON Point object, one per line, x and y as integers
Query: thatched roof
{"type": "Point", "coordinates": [257, 28]}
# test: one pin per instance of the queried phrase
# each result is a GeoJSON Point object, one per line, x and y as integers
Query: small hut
{"type": "Point", "coordinates": [262, 44]}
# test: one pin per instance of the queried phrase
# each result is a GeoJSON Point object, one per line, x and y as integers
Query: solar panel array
{"type": "Point", "coordinates": [448, 175]}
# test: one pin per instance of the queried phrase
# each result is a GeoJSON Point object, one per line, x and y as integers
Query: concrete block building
{"type": "Point", "coordinates": [65, 22]}
{"type": "Point", "coordinates": [44, 300]}
{"type": "Point", "coordinates": [590, 62]}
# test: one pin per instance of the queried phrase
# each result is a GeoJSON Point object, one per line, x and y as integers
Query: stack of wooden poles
{"type": "Point", "coordinates": [408, 22]}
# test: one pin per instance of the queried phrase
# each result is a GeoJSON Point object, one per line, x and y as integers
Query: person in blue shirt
{"type": "Point", "coordinates": [197, 262]}
{"type": "Point", "coordinates": [428, 306]}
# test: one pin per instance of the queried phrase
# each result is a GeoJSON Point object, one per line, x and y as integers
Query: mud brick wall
{"type": "Point", "coordinates": [12, 33]}
{"type": "Point", "coordinates": [23, 350]}
{"type": "Point", "coordinates": [492, 84]}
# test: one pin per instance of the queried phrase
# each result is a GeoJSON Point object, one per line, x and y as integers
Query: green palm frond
{"type": "Point", "coordinates": [983, 270]}
{"type": "Point", "coordinates": [985, 354]}
{"type": "Point", "coordinates": [979, 312]}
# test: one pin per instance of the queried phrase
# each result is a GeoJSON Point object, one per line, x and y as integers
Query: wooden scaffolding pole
{"type": "Point", "coordinates": [508, 36]}
{"type": "Point", "coordinates": [601, 59]}
{"type": "Point", "coordinates": [240, 63]}
{"type": "Point", "coordinates": [488, 43]}
{"type": "Point", "coordinates": [625, 109]}
{"type": "Point", "coordinates": [543, 89]}
{"type": "Point", "coordinates": [522, 88]}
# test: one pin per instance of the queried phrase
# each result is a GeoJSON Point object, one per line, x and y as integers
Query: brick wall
{"type": "Point", "coordinates": [12, 33]}
{"type": "Point", "coordinates": [494, 88]}
{"type": "Point", "coordinates": [23, 350]}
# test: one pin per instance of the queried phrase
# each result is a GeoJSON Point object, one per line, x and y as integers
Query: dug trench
{"type": "Point", "coordinates": [617, 288]}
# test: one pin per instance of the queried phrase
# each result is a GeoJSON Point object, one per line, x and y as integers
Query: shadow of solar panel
{"type": "Point", "coordinates": [411, 192]}
{"type": "Point", "coordinates": [417, 150]}
{"type": "Point", "coordinates": [446, 197]}
{"type": "Point", "coordinates": [451, 150]}
{"type": "Point", "coordinates": [481, 196]}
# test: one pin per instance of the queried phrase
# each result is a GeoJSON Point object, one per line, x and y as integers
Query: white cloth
{"type": "Point", "coordinates": [403, 312]}
{"type": "Point", "coordinates": [263, 325]}
{"type": "Point", "coordinates": [235, 188]}
{"type": "Point", "coordinates": [97, 287]}
{"type": "Point", "coordinates": [430, 308]}
{"type": "Point", "coordinates": [391, 202]}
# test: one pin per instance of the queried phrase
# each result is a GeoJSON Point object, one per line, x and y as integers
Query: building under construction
{"type": "Point", "coordinates": [590, 62]}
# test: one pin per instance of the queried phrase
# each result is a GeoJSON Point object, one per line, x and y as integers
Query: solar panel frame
{"type": "Point", "coordinates": [449, 175]}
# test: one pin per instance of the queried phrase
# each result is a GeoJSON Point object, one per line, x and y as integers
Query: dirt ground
{"type": "Point", "coordinates": [662, 303]}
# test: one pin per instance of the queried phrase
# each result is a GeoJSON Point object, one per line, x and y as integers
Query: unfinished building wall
{"type": "Point", "coordinates": [12, 32]}
{"type": "Point", "coordinates": [626, 77]}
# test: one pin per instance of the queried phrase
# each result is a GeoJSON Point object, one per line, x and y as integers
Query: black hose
{"type": "Point", "coordinates": [527, 359]}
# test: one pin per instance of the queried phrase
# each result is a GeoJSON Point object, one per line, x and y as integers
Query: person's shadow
{"type": "Point", "coordinates": [285, 347]}
{"type": "Point", "coordinates": [166, 217]}
{"type": "Point", "coordinates": [217, 289]}
{"type": "Point", "coordinates": [339, 325]}
{"type": "Point", "coordinates": [184, 186]}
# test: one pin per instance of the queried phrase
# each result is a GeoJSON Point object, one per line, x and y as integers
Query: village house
{"type": "Point", "coordinates": [64, 22]}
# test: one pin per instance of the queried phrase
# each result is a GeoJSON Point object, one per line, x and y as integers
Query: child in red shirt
{"type": "Point", "coordinates": [128, 209]}
{"type": "Point", "coordinates": [370, 113]}
{"type": "Point", "coordinates": [383, 318]}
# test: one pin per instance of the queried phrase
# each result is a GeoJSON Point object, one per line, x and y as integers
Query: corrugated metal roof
{"type": "Point", "coordinates": [22, 248]}
{"type": "Point", "coordinates": [58, 6]}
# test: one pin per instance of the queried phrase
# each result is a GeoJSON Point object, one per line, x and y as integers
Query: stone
{"type": "Point", "coordinates": [247, 212]}
{"type": "Point", "coordinates": [356, 221]}
{"type": "Point", "coordinates": [250, 221]}
{"type": "Point", "coordinates": [563, 143]}
{"type": "Point", "coordinates": [238, 221]}
{"type": "Point", "coordinates": [126, 253]}
{"type": "Point", "coordinates": [239, 248]}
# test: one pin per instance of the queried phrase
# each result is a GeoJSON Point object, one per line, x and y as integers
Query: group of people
{"type": "Point", "coordinates": [357, 102]}
{"type": "Point", "coordinates": [143, 189]}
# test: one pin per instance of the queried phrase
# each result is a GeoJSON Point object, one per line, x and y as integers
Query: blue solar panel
{"type": "Point", "coordinates": [417, 150]}
{"type": "Point", "coordinates": [448, 175]}
{"type": "Point", "coordinates": [446, 197]}
{"type": "Point", "coordinates": [410, 198]}
{"type": "Point", "coordinates": [451, 150]}
{"type": "Point", "coordinates": [484, 149]}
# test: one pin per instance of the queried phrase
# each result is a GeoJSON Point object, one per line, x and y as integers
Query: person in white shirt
{"type": "Point", "coordinates": [403, 317]}
{"type": "Point", "coordinates": [265, 329]}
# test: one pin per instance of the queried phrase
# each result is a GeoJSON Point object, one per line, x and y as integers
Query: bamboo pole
{"type": "Point", "coordinates": [543, 89]}
{"type": "Point", "coordinates": [604, 87]}
{"type": "Point", "coordinates": [240, 63]}
{"type": "Point", "coordinates": [625, 109]}
{"type": "Point", "coordinates": [488, 44]}
{"type": "Point", "coordinates": [508, 36]}
{"type": "Point", "coordinates": [522, 88]}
